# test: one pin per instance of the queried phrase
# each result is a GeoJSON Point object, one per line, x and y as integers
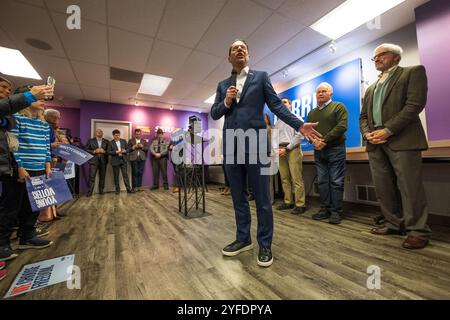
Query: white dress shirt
{"type": "Point", "coordinates": [118, 145]}
{"type": "Point", "coordinates": [286, 134]}
{"type": "Point", "coordinates": [99, 142]}
{"type": "Point", "coordinates": [240, 82]}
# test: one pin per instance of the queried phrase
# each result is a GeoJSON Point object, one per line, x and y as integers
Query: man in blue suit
{"type": "Point", "coordinates": [241, 99]}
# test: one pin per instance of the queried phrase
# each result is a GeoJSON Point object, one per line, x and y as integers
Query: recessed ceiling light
{"type": "Point", "coordinates": [14, 63]}
{"type": "Point", "coordinates": [211, 99]}
{"type": "Point", "coordinates": [154, 85]}
{"type": "Point", "coordinates": [350, 15]}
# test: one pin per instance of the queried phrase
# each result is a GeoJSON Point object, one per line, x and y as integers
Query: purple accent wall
{"type": "Point", "coordinates": [70, 118]}
{"type": "Point", "coordinates": [139, 116]}
{"type": "Point", "coordinates": [433, 23]}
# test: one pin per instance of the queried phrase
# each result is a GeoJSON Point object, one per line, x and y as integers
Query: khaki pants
{"type": "Point", "coordinates": [291, 177]}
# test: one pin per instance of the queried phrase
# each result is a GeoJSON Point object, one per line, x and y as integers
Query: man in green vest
{"type": "Point", "coordinates": [390, 124]}
{"type": "Point", "coordinates": [329, 154]}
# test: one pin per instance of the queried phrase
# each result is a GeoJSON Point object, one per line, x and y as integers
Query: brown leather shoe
{"type": "Point", "coordinates": [413, 242]}
{"type": "Point", "coordinates": [384, 231]}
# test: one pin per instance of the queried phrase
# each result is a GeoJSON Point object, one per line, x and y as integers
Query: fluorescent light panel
{"type": "Point", "coordinates": [350, 15]}
{"type": "Point", "coordinates": [211, 99]}
{"type": "Point", "coordinates": [14, 63]}
{"type": "Point", "coordinates": [154, 85]}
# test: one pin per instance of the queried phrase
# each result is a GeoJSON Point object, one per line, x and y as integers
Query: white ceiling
{"type": "Point", "coordinates": [186, 40]}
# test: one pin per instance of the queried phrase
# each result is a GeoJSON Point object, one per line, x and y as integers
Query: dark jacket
{"type": "Point", "coordinates": [406, 96]}
{"type": "Point", "coordinates": [117, 160]}
{"type": "Point", "coordinates": [248, 113]}
{"type": "Point", "coordinates": [9, 106]}
{"type": "Point", "coordinates": [133, 156]}
{"type": "Point", "coordinates": [92, 145]}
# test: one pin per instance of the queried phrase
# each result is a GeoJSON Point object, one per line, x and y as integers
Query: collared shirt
{"type": "Point", "coordinates": [99, 142]}
{"type": "Point", "coordinates": [286, 135]}
{"type": "Point", "coordinates": [138, 141]}
{"type": "Point", "coordinates": [385, 75]}
{"type": "Point", "coordinates": [118, 145]}
{"type": "Point", "coordinates": [324, 105]}
{"type": "Point", "coordinates": [240, 82]}
{"type": "Point", "coordinates": [379, 95]}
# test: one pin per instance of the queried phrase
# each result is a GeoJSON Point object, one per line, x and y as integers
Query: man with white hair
{"type": "Point", "coordinates": [390, 124]}
{"type": "Point", "coordinates": [329, 154]}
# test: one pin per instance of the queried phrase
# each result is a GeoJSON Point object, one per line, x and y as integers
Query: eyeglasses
{"type": "Point", "coordinates": [382, 54]}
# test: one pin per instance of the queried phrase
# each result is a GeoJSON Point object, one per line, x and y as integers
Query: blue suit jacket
{"type": "Point", "coordinates": [249, 112]}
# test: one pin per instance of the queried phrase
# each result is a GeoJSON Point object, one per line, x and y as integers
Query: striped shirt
{"type": "Point", "coordinates": [34, 143]}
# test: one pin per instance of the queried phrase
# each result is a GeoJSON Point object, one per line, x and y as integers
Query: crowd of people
{"type": "Point", "coordinates": [389, 124]}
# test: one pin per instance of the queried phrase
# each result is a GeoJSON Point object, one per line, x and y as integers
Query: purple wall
{"type": "Point", "coordinates": [139, 116]}
{"type": "Point", "coordinates": [433, 23]}
{"type": "Point", "coordinates": [70, 118]}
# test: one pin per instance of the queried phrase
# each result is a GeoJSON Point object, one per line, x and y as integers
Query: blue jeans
{"type": "Point", "coordinates": [330, 165]}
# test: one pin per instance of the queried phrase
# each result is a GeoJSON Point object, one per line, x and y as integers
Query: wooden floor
{"type": "Point", "coordinates": [138, 247]}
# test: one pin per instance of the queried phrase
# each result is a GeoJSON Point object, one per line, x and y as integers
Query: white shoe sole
{"type": "Point", "coordinates": [23, 247]}
{"type": "Point", "coordinates": [43, 234]}
{"type": "Point", "coordinates": [265, 264]}
{"type": "Point", "coordinates": [13, 256]}
{"type": "Point", "coordinates": [235, 253]}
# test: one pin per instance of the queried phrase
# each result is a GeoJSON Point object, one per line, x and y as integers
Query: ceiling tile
{"type": "Point", "coordinates": [20, 22]}
{"type": "Point", "coordinates": [90, 9]}
{"type": "Point", "coordinates": [166, 59]}
{"type": "Point", "coordinates": [128, 50]}
{"type": "Point", "coordinates": [88, 44]}
{"type": "Point", "coordinates": [58, 68]}
{"type": "Point", "coordinates": [198, 66]}
{"type": "Point", "coordinates": [202, 92]}
{"type": "Point", "coordinates": [67, 91]}
{"type": "Point", "coordinates": [89, 74]}
{"type": "Point", "coordinates": [124, 86]}
{"type": "Point", "coordinates": [238, 19]}
{"type": "Point", "coordinates": [39, 3]}
{"type": "Point", "coordinates": [96, 94]}
{"type": "Point", "coordinates": [277, 28]}
{"type": "Point", "coordinates": [307, 12]}
{"type": "Point", "coordinates": [220, 73]}
{"type": "Point", "coordinates": [5, 41]}
{"type": "Point", "coordinates": [192, 17]}
{"type": "Point", "coordinates": [179, 89]}
{"type": "Point", "coordinates": [303, 43]}
{"type": "Point", "coordinates": [272, 4]}
{"type": "Point", "coordinates": [140, 16]}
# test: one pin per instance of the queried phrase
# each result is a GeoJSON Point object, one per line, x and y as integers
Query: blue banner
{"type": "Point", "coordinates": [346, 82]}
{"type": "Point", "coordinates": [45, 193]}
{"type": "Point", "coordinates": [72, 153]}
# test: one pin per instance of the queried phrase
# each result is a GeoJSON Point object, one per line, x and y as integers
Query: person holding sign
{"type": "Point", "coordinates": [33, 159]}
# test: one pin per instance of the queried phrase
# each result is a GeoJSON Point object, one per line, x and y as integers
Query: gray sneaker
{"type": "Point", "coordinates": [34, 243]}
{"type": "Point", "coordinates": [6, 253]}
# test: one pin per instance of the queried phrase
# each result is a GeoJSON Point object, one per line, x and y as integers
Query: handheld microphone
{"type": "Point", "coordinates": [234, 81]}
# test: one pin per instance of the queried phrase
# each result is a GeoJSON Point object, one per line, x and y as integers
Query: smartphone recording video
{"type": "Point", "coordinates": [50, 82]}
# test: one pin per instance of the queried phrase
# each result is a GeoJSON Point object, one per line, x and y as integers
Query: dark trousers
{"type": "Point", "coordinates": [116, 169]}
{"type": "Point", "coordinates": [400, 170]}
{"type": "Point", "coordinates": [137, 171]}
{"type": "Point", "coordinates": [330, 166]}
{"type": "Point", "coordinates": [159, 165]}
{"type": "Point", "coordinates": [14, 207]}
{"type": "Point", "coordinates": [237, 175]}
{"type": "Point", "coordinates": [99, 167]}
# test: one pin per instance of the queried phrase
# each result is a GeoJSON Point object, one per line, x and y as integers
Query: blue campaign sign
{"type": "Point", "coordinates": [72, 153]}
{"type": "Point", "coordinates": [346, 82]}
{"type": "Point", "coordinates": [44, 192]}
